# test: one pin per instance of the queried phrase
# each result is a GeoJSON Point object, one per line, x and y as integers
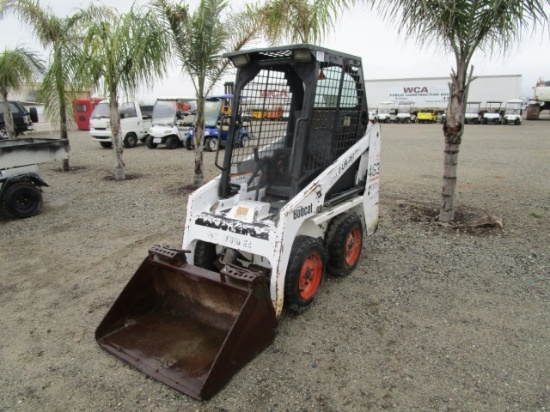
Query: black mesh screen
{"type": "Point", "coordinates": [335, 117]}
{"type": "Point", "coordinates": [264, 109]}
{"type": "Point", "coordinates": [301, 118]}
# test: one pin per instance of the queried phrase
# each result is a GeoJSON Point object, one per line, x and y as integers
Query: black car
{"type": "Point", "coordinates": [22, 118]}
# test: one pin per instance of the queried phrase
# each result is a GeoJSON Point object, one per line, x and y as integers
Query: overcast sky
{"type": "Point", "coordinates": [385, 54]}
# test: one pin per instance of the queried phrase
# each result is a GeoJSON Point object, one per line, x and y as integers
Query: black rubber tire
{"type": "Point", "coordinates": [211, 144]}
{"type": "Point", "coordinates": [172, 142]}
{"type": "Point", "coordinates": [345, 232]}
{"type": "Point", "coordinates": [22, 200]}
{"type": "Point", "coordinates": [245, 141]}
{"type": "Point", "coordinates": [205, 255]}
{"type": "Point", "coordinates": [106, 145]}
{"type": "Point", "coordinates": [130, 140]}
{"type": "Point", "coordinates": [517, 122]}
{"type": "Point", "coordinates": [33, 114]}
{"type": "Point", "coordinates": [306, 251]}
{"type": "Point", "coordinates": [4, 133]}
{"type": "Point", "coordinates": [149, 142]}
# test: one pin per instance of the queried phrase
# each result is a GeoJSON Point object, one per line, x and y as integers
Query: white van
{"type": "Point", "coordinates": [133, 124]}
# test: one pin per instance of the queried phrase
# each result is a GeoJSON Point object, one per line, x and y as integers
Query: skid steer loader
{"type": "Point", "coordinates": [287, 208]}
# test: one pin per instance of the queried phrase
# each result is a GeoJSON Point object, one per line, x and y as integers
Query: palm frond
{"type": "Point", "coordinates": [300, 21]}
{"type": "Point", "coordinates": [37, 16]}
{"type": "Point", "coordinates": [464, 26]}
{"type": "Point", "coordinates": [18, 67]}
{"type": "Point", "coordinates": [122, 51]}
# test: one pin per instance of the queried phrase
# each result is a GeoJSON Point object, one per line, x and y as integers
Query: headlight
{"type": "Point", "coordinates": [206, 132]}
{"type": "Point", "coordinates": [168, 131]}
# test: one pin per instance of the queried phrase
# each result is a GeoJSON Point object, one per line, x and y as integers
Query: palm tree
{"type": "Point", "coordinates": [18, 67]}
{"type": "Point", "coordinates": [299, 21]}
{"type": "Point", "coordinates": [199, 40]}
{"type": "Point", "coordinates": [57, 33]}
{"type": "Point", "coordinates": [122, 52]}
{"type": "Point", "coordinates": [462, 27]}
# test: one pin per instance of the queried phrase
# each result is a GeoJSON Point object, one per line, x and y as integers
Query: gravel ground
{"type": "Point", "coordinates": [434, 318]}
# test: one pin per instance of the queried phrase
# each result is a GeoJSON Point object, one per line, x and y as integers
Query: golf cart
{"type": "Point", "coordinates": [386, 113]}
{"type": "Point", "coordinates": [217, 112]}
{"type": "Point", "coordinates": [172, 116]}
{"type": "Point", "coordinates": [472, 114]}
{"type": "Point", "coordinates": [405, 112]}
{"type": "Point", "coordinates": [512, 112]}
{"type": "Point", "coordinates": [493, 113]}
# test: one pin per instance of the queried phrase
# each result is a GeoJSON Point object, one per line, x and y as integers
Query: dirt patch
{"type": "Point", "coordinates": [434, 317]}
{"type": "Point", "coordinates": [467, 220]}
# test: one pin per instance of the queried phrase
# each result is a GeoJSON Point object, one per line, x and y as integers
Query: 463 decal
{"type": "Point", "coordinates": [374, 169]}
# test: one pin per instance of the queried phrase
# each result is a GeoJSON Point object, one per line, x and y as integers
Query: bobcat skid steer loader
{"type": "Point", "coordinates": [293, 204]}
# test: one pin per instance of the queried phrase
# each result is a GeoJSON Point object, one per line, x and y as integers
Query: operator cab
{"type": "Point", "coordinates": [326, 107]}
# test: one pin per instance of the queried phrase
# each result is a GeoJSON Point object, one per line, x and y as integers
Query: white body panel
{"type": "Point", "coordinates": [30, 151]}
{"type": "Point", "coordinates": [161, 132]}
{"type": "Point", "coordinates": [100, 128]}
{"type": "Point", "coordinates": [542, 91]}
{"type": "Point", "coordinates": [245, 224]}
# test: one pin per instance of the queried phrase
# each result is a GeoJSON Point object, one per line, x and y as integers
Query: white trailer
{"type": "Point", "coordinates": [434, 91]}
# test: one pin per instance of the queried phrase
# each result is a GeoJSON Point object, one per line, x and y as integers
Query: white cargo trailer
{"type": "Point", "coordinates": [434, 91]}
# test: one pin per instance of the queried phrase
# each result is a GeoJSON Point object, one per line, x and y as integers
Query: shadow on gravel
{"type": "Point", "coordinates": [467, 221]}
{"type": "Point", "coordinates": [71, 169]}
{"type": "Point", "coordinates": [177, 190]}
{"type": "Point", "coordinates": [129, 176]}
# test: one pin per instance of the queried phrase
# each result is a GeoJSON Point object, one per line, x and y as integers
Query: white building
{"type": "Point", "coordinates": [434, 91]}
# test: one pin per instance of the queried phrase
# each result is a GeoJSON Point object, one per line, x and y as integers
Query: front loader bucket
{"type": "Point", "coordinates": [189, 327]}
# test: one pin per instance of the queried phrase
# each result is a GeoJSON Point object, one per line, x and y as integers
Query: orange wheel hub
{"type": "Point", "coordinates": [310, 276]}
{"type": "Point", "coordinates": [353, 246]}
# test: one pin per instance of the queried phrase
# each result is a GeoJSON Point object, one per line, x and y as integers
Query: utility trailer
{"type": "Point", "coordinates": [294, 204]}
{"type": "Point", "coordinates": [20, 183]}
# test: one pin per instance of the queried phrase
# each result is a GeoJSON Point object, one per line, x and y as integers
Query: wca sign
{"type": "Point", "coordinates": [415, 89]}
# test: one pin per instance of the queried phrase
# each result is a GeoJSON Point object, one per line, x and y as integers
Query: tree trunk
{"type": "Point", "coordinates": [64, 130]}
{"type": "Point", "coordinates": [63, 127]}
{"type": "Point", "coordinates": [453, 129]}
{"type": "Point", "coordinates": [120, 173]}
{"type": "Point", "coordinates": [447, 211]}
{"type": "Point", "coordinates": [8, 119]}
{"type": "Point", "coordinates": [198, 179]}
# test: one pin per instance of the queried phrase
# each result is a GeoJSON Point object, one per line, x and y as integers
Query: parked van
{"type": "Point", "coordinates": [134, 124]}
